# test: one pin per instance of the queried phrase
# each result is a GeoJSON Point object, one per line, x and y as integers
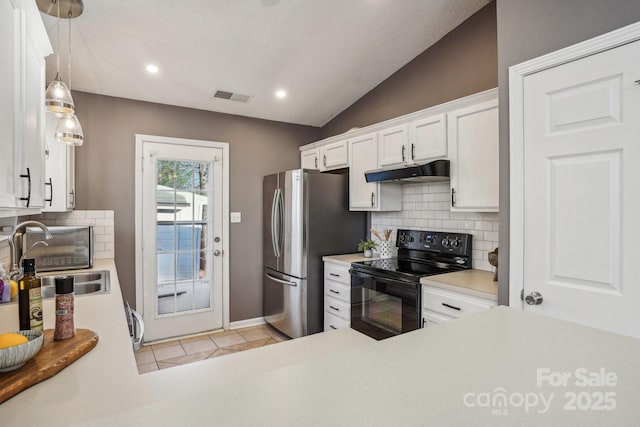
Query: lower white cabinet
{"type": "Point", "coordinates": [442, 305]}
{"type": "Point", "coordinates": [337, 296]}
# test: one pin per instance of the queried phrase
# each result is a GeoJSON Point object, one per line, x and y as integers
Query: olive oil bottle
{"type": "Point", "coordinates": [30, 297]}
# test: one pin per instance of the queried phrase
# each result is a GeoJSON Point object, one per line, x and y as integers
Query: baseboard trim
{"type": "Point", "coordinates": [246, 323]}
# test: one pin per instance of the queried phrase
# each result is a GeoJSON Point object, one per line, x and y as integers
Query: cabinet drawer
{"type": "Point", "coordinates": [430, 318]}
{"type": "Point", "coordinates": [337, 290]}
{"type": "Point", "coordinates": [337, 308]}
{"type": "Point", "coordinates": [332, 322]}
{"type": "Point", "coordinates": [452, 303]}
{"type": "Point", "coordinates": [337, 273]}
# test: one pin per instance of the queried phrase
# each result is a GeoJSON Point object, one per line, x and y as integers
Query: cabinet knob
{"type": "Point", "coordinates": [413, 151]}
{"type": "Point", "coordinates": [324, 160]}
{"type": "Point", "coordinates": [373, 199]}
{"type": "Point", "coordinates": [403, 153]}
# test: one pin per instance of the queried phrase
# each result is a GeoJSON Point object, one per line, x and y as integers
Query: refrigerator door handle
{"type": "Point", "coordinates": [284, 282]}
{"type": "Point", "coordinates": [274, 218]}
{"type": "Point", "coordinates": [280, 222]}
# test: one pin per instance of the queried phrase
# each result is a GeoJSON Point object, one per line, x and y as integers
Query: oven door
{"type": "Point", "coordinates": [382, 307]}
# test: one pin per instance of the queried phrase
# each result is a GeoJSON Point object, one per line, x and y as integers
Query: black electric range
{"type": "Point", "coordinates": [386, 293]}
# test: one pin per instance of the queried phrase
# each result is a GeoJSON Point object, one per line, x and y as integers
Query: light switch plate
{"type": "Point", "coordinates": [236, 217]}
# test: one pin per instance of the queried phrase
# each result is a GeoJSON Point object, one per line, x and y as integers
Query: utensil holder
{"type": "Point", "coordinates": [384, 248]}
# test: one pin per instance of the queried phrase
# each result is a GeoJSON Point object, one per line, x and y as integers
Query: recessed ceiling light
{"type": "Point", "coordinates": [152, 68]}
{"type": "Point", "coordinates": [281, 94]}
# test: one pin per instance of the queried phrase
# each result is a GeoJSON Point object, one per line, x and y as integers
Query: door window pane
{"type": "Point", "coordinates": [183, 255]}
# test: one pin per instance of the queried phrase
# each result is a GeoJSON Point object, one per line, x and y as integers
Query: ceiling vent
{"type": "Point", "coordinates": [231, 96]}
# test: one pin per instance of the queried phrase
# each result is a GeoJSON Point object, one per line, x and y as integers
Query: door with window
{"type": "Point", "coordinates": [182, 227]}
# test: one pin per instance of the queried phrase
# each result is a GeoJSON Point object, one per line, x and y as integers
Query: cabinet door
{"type": "Point", "coordinates": [473, 150]}
{"type": "Point", "coordinates": [335, 155]}
{"type": "Point", "coordinates": [9, 88]}
{"type": "Point", "coordinates": [363, 152]}
{"type": "Point", "coordinates": [430, 318]}
{"type": "Point", "coordinates": [59, 170]}
{"type": "Point", "coordinates": [32, 159]}
{"type": "Point", "coordinates": [309, 159]}
{"type": "Point", "coordinates": [392, 146]}
{"type": "Point", "coordinates": [428, 138]}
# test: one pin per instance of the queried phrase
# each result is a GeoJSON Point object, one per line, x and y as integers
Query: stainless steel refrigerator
{"type": "Point", "coordinates": [306, 216]}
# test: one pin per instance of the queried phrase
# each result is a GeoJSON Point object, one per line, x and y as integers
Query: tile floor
{"type": "Point", "coordinates": [188, 350]}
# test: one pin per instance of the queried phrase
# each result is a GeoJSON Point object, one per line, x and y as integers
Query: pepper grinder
{"type": "Point", "coordinates": [65, 325]}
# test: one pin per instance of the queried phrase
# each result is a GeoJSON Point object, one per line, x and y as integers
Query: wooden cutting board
{"type": "Point", "coordinates": [52, 358]}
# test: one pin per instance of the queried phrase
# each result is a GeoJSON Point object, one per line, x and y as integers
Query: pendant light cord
{"type": "Point", "coordinates": [58, 28]}
{"type": "Point", "coordinates": [70, 15]}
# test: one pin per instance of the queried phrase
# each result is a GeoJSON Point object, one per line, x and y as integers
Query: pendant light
{"type": "Point", "coordinates": [69, 130]}
{"type": "Point", "coordinates": [58, 98]}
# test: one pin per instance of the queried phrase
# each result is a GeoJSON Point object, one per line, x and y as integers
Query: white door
{"type": "Point", "coordinates": [581, 196]}
{"type": "Point", "coordinates": [182, 238]}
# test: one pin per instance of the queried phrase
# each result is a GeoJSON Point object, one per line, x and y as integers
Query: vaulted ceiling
{"type": "Point", "coordinates": [325, 54]}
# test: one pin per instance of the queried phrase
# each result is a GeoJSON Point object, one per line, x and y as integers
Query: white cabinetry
{"type": "Point", "coordinates": [23, 46]}
{"type": "Point", "coordinates": [326, 157]}
{"type": "Point", "coordinates": [418, 141]}
{"type": "Point", "coordinates": [442, 305]}
{"type": "Point", "coordinates": [473, 151]}
{"type": "Point", "coordinates": [337, 296]}
{"type": "Point", "coordinates": [368, 196]}
{"type": "Point", "coordinates": [427, 138]}
{"type": "Point", "coordinates": [309, 159]}
{"type": "Point", "coordinates": [59, 172]}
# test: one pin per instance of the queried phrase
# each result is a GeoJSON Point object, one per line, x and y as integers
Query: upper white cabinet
{"type": "Point", "coordinates": [9, 99]}
{"type": "Point", "coordinates": [464, 131]}
{"type": "Point", "coordinates": [420, 140]}
{"type": "Point", "coordinates": [363, 195]}
{"type": "Point", "coordinates": [392, 147]}
{"type": "Point", "coordinates": [59, 172]}
{"type": "Point", "coordinates": [23, 46]}
{"type": "Point", "coordinates": [309, 159]}
{"type": "Point", "coordinates": [328, 157]}
{"type": "Point", "coordinates": [334, 155]}
{"type": "Point", "coordinates": [427, 138]}
{"type": "Point", "coordinates": [473, 151]}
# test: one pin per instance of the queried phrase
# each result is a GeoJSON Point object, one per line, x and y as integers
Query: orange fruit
{"type": "Point", "coordinates": [10, 340]}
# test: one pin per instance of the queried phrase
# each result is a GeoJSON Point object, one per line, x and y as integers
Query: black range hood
{"type": "Point", "coordinates": [435, 171]}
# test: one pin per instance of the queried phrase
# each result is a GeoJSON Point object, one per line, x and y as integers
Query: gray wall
{"type": "Point", "coordinates": [105, 177]}
{"type": "Point", "coordinates": [528, 29]}
{"type": "Point", "coordinates": [461, 63]}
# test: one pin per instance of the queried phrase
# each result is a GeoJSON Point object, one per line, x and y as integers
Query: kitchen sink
{"type": "Point", "coordinates": [94, 282]}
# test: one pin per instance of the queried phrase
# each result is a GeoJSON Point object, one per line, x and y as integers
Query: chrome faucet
{"type": "Point", "coordinates": [20, 228]}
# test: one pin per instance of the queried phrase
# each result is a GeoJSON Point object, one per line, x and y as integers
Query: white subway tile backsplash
{"type": "Point", "coordinates": [426, 207]}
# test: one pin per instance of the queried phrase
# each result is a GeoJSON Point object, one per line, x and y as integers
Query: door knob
{"type": "Point", "coordinates": [217, 252]}
{"type": "Point", "coordinates": [534, 298]}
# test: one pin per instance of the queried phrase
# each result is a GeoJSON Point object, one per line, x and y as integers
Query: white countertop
{"type": "Point", "coordinates": [348, 258]}
{"type": "Point", "coordinates": [339, 378]}
{"type": "Point", "coordinates": [478, 283]}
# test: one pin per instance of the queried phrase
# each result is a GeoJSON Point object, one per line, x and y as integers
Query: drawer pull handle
{"type": "Point", "coordinates": [451, 306]}
{"type": "Point", "coordinates": [334, 308]}
{"type": "Point", "coordinates": [334, 274]}
{"type": "Point", "coordinates": [332, 327]}
{"type": "Point", "coordinates": [334, 291]}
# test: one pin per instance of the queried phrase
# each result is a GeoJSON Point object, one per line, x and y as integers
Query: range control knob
{"type": "Point", "coordinates": [445, 243]}
{"type": "Point", "coordinates": [455, 243]}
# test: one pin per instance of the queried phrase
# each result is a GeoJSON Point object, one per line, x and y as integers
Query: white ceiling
{"type": "Point", "coordinates": [325, 53]}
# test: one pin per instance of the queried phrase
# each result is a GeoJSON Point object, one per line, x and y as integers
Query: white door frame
{"type": "Point", "coordinates": [517, 74]}
{"type": "Point", "coordinates": [140, 139]}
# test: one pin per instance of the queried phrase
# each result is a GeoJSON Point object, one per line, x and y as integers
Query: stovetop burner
{"type": "Point", "coordinates": [423, 253]}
